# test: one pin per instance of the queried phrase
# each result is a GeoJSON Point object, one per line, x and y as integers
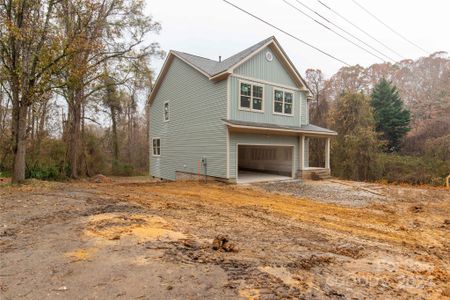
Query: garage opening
{"type": "Point", "coordinates": [264, 163]}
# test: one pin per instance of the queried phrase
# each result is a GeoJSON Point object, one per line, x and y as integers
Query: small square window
{"type": "Point", "coordinates": [257, 91]}
{"type": "Point", "coordinates": [278, 108]}
{"type": "Point", "coordinates": [257, 104]}
{"type": "Point", "coordinates": [246, 89]}
{"type": "Point", "coordinates": [245, 102]}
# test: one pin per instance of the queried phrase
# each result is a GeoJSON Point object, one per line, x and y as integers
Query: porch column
{"type": "Point", "coordinates": [327, 153]}
{"type": "Point", "coordinates": [301, 152]}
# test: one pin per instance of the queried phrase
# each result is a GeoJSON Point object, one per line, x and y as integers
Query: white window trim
{"type": "Point", "coordinates": [164, 112]}
{"type": "Point", "coordinates": [153, 147]}
{"type": "Point", "coordinates": [251, 96]}
{"type": "Point", "coordinates": [293, 102]}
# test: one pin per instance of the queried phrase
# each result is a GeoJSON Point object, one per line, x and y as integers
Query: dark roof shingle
{"type": "Point", "coordinates": [213, 67]}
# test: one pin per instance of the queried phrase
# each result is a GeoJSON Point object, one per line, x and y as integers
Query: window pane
{"type": "Point", "coordinates": [278, 95]}
{"type": "Point", "coordinates": [278, 107]}
{"type": "Point", "coordinates": [288, 97]}
{"type": "Point", "coordinates": [166, 111]}
{"type": "Point", "coordinates": [257, 104]}
{"type": "Point", "coordinates": [257, 91]}
{"type": "Point", "coordinates": [288, 108]}
{"type": "Point", "coordinates": [245, 89]}
{"type": "Point", "coordinates": [154, 143]}
{"type": "Point", "coordinates": [245, 101]}
{"type": "Point", "coordinates": [158, 143]}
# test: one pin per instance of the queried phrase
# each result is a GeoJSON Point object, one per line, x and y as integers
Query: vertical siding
{"type": "Point", "coordinates": [246, 138]}
{"type": "Point", "coordinates": [197, 107]}
{"type": "Point", "coordinates": [259, 67]}
{"type": "Point", "coordinates": [260, 70]}
{"type": "Point", "coordinates": [267, 116]}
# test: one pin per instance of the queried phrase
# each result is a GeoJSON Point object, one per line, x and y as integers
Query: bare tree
{"type": "Point", "coordinates": [104, 31]}
{"type": "Point", "coordinates": [29, 56]}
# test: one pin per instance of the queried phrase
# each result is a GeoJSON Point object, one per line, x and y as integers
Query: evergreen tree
{"type": "Point", "coordinates": [391, 117]}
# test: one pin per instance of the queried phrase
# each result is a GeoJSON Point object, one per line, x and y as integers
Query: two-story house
{"type": "Point", "coordinates": [232, 119]}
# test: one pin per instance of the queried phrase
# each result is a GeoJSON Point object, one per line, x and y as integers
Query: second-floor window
{"type": "Point", "coordinates": [282, 102]}
{"type": "Point", "coordinates": [166, 111]}
{"type": "Point", "coordinates": [251, 97]}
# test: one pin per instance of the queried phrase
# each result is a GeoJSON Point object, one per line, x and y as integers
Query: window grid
{"type": "Point", "coordinates": [283, 102]}
{"type": "Point", "coordinates": [156, 146]}
{"type": "Point", "coordinates": [251, 97]}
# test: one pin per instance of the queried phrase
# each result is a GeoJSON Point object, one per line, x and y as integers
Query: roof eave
{"type": "Point", "coordinates": [284, 130]}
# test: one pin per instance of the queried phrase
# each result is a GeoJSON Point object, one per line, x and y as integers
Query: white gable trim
{"type": "Point", "coordinates": [232, 68]}
{"type": "Point", "coordinates": [164, 70]}
{"type": "Point", "coordinates": [159, 79]}
{"type": "Point", "coordinates": [280, 53]}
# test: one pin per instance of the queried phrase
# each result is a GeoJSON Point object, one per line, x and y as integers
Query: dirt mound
{"type": "Point", "coordinates": [221, 242]}
{"type": "Point", "coordinates": [99, 178]}
{"type": "Point", "coordinates": [112, 226]}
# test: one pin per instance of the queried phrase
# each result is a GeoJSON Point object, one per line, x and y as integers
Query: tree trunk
{"type": "Point", "coordinates": [115, 140]}
{"type": "Point", "coordinates": [19, 129]}
{"type": "Point", "coordinates": [74, 133]}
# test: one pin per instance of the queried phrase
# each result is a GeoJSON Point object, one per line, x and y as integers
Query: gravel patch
{"type": "Point", "coordinates": [327, 191]}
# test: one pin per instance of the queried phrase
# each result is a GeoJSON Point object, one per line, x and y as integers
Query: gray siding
{"type": "Point", "coordinates": [271, 75]}
{"type": "Point", "coordinates": [259, 67]}
{"type": "Point", "coordinates": [267, 116]}
{"type": "Point", "coordinates": [260, 139]}
{"type": "Point", "coordinates": [197, 107]}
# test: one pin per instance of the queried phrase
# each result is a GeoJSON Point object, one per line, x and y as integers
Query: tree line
{"type": "Point", "coordinates": [378, 133]}
{"type": "Point", "coordinates": [63, 64]}
{"type": "Point", "coordinates": [74, 76]}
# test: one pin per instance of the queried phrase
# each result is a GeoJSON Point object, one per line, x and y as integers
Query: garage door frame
{"type": "Point", "coordinates": [266, 145]}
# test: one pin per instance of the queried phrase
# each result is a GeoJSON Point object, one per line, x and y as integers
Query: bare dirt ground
{"type": "Point", "coordinates": [139, 239]}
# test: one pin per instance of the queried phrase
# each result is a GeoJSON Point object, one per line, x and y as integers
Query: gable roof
{"type": "Point", "coordinates": [212, 67]}
{"type": "Point", "coordinates": [218, 70]}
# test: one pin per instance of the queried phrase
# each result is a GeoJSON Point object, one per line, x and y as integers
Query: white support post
{"type": "Point", "coordinates": [327, 153]}
{"type": "Point", "coordinates": [301, 152]}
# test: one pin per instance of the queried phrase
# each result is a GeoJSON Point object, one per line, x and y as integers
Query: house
{"type": "Point", "coordinates": [233, 119]}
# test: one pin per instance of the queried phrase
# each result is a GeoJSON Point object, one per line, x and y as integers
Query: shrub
{"type": "Point", "coordinates": [413, 169]}
{"type": "Point", "coordinates": [122, 169]}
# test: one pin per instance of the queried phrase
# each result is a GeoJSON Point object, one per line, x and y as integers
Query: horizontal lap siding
{"type": "Point", "coordinates": [195, 129]}
{"type": "Point", "coordinates": [259, 139]}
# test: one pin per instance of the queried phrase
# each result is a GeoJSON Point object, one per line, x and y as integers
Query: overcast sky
{"type": "Point", "coordinates": [211, 28]}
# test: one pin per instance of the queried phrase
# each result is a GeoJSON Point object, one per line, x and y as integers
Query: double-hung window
{"type": "Point", "coordinates": [251, 96]}
{"type": "Point", "coordinates": [283, 102]}
{"type": "Point", "coordinates": [156, 147]}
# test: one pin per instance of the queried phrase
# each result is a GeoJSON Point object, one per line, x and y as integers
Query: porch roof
{"type": "Point", "coordinates": [304, 129]}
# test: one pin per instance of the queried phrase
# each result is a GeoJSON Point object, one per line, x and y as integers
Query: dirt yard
{"type": "Point", "coordinates": [138, 239]}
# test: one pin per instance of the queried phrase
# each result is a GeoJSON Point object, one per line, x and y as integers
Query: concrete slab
{"type": "Point", "coordinates": [245, 177]}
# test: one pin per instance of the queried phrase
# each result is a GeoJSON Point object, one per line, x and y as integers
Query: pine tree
{"type": "Point", "coordinates": [391, 117]}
